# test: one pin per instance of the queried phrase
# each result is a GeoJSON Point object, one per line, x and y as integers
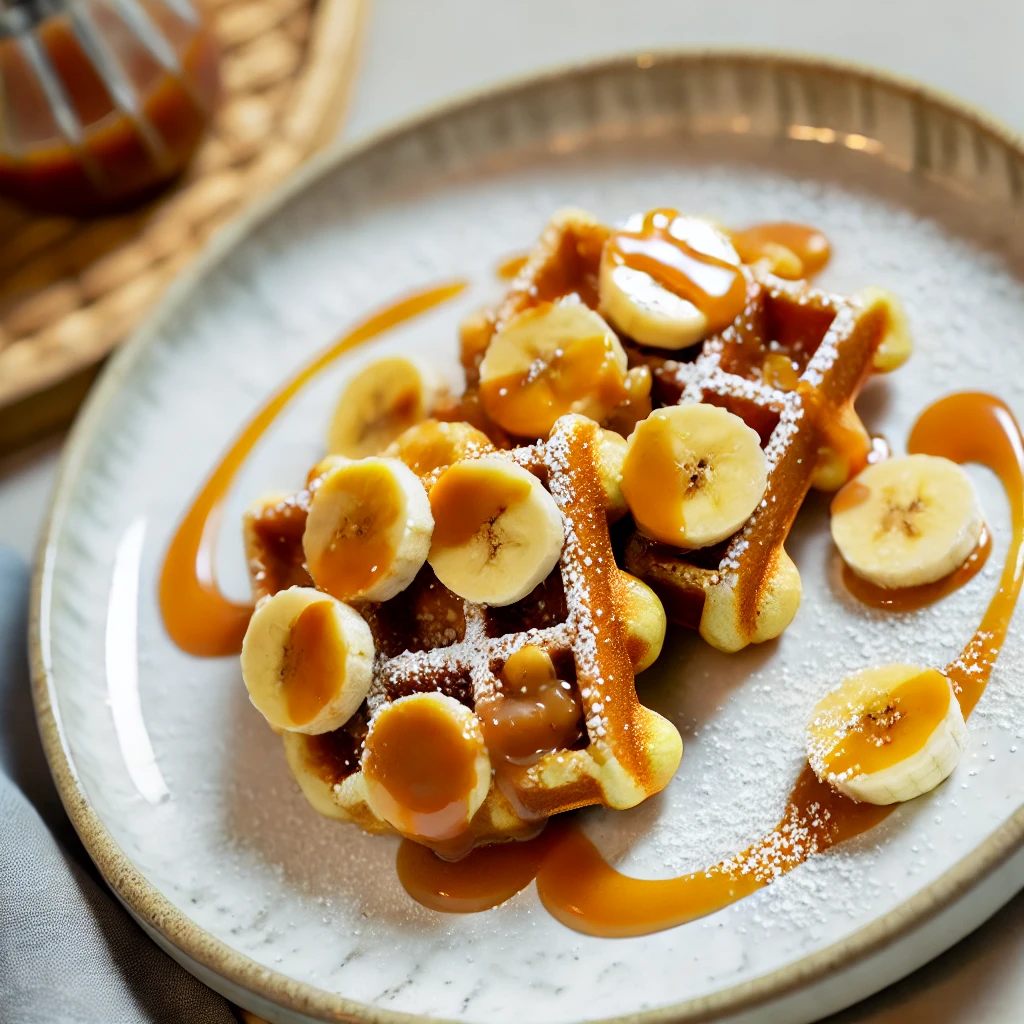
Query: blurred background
{"type": "Point", "coordinates": [268, 82]}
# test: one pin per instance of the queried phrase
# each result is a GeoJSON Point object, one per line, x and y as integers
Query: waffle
{"type": "Point", "coordinates": [586, 615]}
{"type": "Point", "coordinates": [746, 589]}
{"type": "Point", "coordinates": [791, 366]}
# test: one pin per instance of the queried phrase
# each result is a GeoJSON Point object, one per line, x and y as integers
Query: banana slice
{"type": "Point", "coordinates": [693, 474]}
{"type": "Point", "coordinates": [644, 309]}
{"type": "Point", "coordinates": [368, 529]}
{"type": "Point", "coordinates": [318, 764]}
{"type": "Point", "coordinates": [610, 455]}
{"type": "Point", "coordinates": [381, 401]}
{"type": "Point", "coordinates": [307, 660]}
{"type": "Point", "coordinates": [896, 344]}
{"type": "Point", "coordinates": [907, 521]}
{"type": "Point", "coordinates": [497, 531]}
{"type": "Point", "coordinates": [426, 766]}
{"type": "Point", "coordinates": [784, 248]}
{"type": "Point", "coordinates": [434, 444]}
{"type": "Point", "coordinates": [550, 360]}
{"type": "Point", "coordinates": [887, 734]}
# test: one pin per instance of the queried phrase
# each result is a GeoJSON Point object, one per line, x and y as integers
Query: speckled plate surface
{"type": "Point", "coordinates": [181, 793]}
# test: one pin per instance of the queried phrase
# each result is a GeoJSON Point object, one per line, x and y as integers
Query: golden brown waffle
{"type": "Point", "coordinates": [587, 616]}
{"type": "Point", "coordinates": [745, 589]}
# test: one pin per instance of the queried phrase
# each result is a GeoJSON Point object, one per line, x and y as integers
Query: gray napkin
{"type": "Point", "coordinates": [68, 951]}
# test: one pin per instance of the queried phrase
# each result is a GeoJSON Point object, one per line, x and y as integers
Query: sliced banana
{"type": "Point", "coordinates": [643, 309]}
{"type": "Point", "coordinates": [907, 521]}
{"type": "Point", "coordinates": [896, 344]}
{"type": "Point", "coordinates": [307, 661]}
{"type": "Point", "coordinates": [550, 360]}
{"type": "Point", "coordinates": [381, 401]}
{"type": "Point", "coordinates": [368, 529]}
{"type": "Point", "coordinates": [693, 474]}
{"type": "Point", "coordinates": [497, 531]}
{"type": "Point", "coordinates": [887, 734]}
{"type": "Point", "coordinates": [426, 766]}
{"type": "Point", "coordinates": [311, 760]}
{"type": "Point", "coordinates": [784, 248]}
{"type": "Point", "coordinates": [610, 455]}
{"type": "Point", "coordinates": [435, 444]}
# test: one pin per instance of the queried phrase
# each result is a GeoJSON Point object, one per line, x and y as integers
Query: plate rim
{"type": "Point", "coordinates": [142, 898]}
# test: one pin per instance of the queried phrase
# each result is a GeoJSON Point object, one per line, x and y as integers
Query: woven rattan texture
{"type": "Point", "coordinates": [70, 290]}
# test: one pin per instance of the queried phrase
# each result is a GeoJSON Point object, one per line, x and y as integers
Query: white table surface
{"type": "Point", "coordinates": [422, 52]}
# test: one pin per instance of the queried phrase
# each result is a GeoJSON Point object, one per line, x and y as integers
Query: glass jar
{"type": "Point", "coordinates": [101, 101]}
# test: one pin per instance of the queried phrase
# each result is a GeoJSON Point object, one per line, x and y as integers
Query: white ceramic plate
{"type": "Point", "coordinates": [182, 794]}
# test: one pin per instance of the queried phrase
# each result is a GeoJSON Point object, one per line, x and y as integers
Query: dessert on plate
{"type": "Point", "coordinates": [488, 682]}
{"type": "Point", "coordinates": [450, 614]}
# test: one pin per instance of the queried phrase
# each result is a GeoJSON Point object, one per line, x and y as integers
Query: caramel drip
{"type": "Point", "coordinates": [434, 445]}
{"type": "Point", "coordinates": [360, 551]}
{"type": "Point", "coordinates": [465, 501]}
{"type": "Point", "coordinates": [655, 481]}
{"type": "Point", "coordinates": [197, 616]}
{"type": "Point", "coordinates": [842, 433]}
{"type": "Point", "coordinates": [779, 372]}
{"type": "Point", "coordinates": [885, 735]}
{"type": "Point", "coordinates": [424, 768]}
{"type": "Point", "coordinates": [535, 712]}
{"type": "Point", "coordinates": [510, 267]}
{"type": "Point", "coordinates": [975, 427]}
{"type": "Point", "coordinates": [580, 889]}
{"type": "Point", "coordinates": [849, 496]}
{"type": "Point", "coordinates": [314, 661]}
{"type": "Point", "coordinates": [908, 599]}
{"type": "Point", "coordinates": [529, 402]}
{"type": "Point", "coordinates": [807, 244]}
{"type": "Point", "coordinates": [584, 892]}
{"type": "Point", "coordinates": [715, 286]}
{"type": "Point", "coordinates": [485, 878]}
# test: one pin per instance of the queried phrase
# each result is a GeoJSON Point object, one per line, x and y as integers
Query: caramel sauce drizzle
{"type": "Point", "coordinates": [360, 551]}
{"type": "Point", "coordinates": [584, 892]}
{"type": "Point", "coordinates": [197, 615]}
{"type": "Point", "coordinates": [779, 372]}
{"type": "Point", "coordinates": [529, 402]}
{"type": "Point", "coordinates": [909, 599]}
{"type": "Point", "coordinates": [535, 712]}
{"type": "Point", "coordinates": [313, 663]}
{"type": "Point", "coordinates": [810, 247]}
{"type": "Point", "coordinates": [463, 504]}
{"type": "Point", "coordinates": [715, 286]}
{"type": "Point", "coordinates": [424, 769]}
{"type": "Point", "coordinates": [655, 480]}
{"type": "Point", "coordinates": [885, 735]}
{"type": "Point", "coordinates": [510, 267]}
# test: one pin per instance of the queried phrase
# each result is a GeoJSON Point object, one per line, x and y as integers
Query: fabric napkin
{"type": "Point", "coordinates": [69, 953]}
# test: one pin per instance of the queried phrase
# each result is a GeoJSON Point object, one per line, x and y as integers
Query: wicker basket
{"type": "Point", "coordinates": [70, 290]}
